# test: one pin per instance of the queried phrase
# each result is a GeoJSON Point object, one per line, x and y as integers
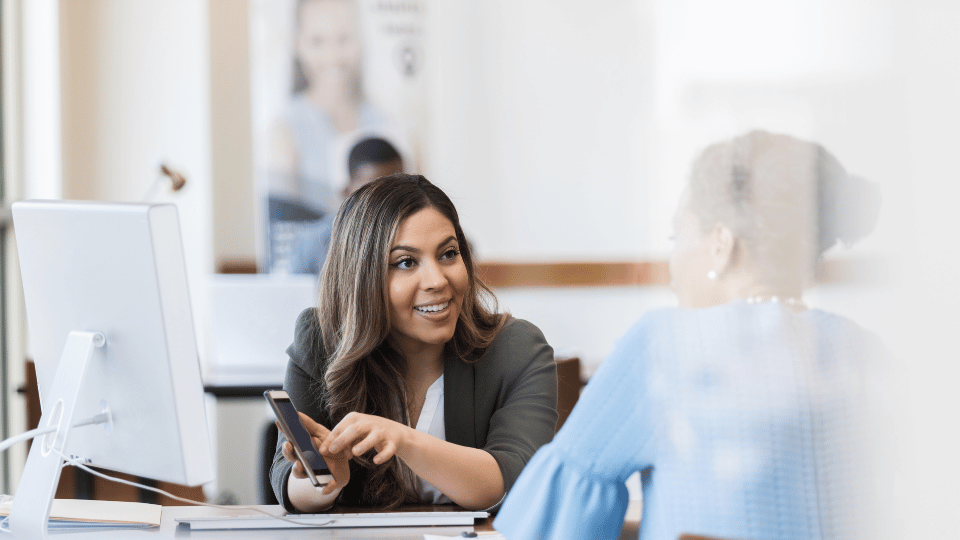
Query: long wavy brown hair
{"type": "Point", "coordinates": [363, 373]}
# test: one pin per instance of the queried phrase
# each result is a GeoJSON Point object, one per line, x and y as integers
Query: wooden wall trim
{"type": "Point", "coordinates": [236, 266]}
{"type": "Point", "coordinates": [499, 275]}
{"type": "Point", "coordinates": [574, 274]}
{"type": "Point", "coordinates": [505, 275]}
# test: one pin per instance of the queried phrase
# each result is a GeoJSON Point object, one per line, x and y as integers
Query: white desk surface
{"type": "Point", "coordinates": [169, 528]}
{"type": "Point", "coordinates": [271, 376]}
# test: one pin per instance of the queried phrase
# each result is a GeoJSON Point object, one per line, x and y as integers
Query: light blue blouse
{"type": "Point", "coordinates": [741, 418]}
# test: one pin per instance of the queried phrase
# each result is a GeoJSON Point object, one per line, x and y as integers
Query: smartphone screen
{"type": "Point", "coordinates": [294, 430]}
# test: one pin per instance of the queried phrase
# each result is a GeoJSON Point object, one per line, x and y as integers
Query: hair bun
{"type": "Point", "coordinates": [849, 207]}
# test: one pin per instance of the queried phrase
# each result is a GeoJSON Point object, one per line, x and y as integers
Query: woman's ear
{"type": "Point", "coordinates": [723, 247]}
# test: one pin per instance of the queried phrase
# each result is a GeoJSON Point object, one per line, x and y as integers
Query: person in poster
{"type": "Point", "coordinates": [327, 102]}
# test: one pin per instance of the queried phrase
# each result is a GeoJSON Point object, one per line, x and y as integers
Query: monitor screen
{"type": "Point", "coordinates": [118, 269]}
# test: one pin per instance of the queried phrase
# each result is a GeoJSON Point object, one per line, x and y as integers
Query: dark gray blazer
{"type": "Point", "coordinates": [504, 403]}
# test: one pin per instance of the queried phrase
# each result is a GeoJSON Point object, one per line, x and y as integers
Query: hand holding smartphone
{"type": "Point", "coordinates": [293, 430]}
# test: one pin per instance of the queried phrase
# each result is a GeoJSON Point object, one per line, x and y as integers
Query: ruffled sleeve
{"type": "Point", "coordinates": [551, 497]}
{"type": "Point", "coordinates": [575, 487]}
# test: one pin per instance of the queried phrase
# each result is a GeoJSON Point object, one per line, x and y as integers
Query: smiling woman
{"type": "Point", "coordinates": [413, 387]}
{"type": "Point", "coordinates": [427, 281]}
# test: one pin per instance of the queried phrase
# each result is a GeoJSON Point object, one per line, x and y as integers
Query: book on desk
{"type": "Point", "coordinates": [85, 514]}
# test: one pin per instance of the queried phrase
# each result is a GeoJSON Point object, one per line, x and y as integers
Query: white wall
{"type": "Point", "coordinates": [41, 102]}
{"type": "Point", "coordinates": [537, 125]}
{"type": "Point", "coordinates": [926, 315]}
{"type": "Point", "coordinates": [135, 90]}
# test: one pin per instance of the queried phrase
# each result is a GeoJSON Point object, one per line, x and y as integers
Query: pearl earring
{"type": "Point", "coordinates": [712, 275]}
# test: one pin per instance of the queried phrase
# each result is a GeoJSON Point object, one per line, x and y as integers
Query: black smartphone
{"type": "Point", "coordinates": [293, 430]}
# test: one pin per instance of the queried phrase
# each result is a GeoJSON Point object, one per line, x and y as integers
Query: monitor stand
{"type": "Point", "coordinates": [38, 485]}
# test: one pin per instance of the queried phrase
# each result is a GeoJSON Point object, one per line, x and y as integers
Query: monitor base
{"type": "Point", "coordinates": [38, 485]}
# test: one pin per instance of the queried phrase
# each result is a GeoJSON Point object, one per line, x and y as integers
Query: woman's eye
{"type": "Point", "coordinates": [450, 254]}
{"type": "Point", "coordinates": [405, 263]}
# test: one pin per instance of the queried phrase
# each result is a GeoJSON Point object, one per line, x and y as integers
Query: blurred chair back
{"type": "Point", "coordinates": [268, 448]}
{"type": "Point", "coordinates": [569, 385]}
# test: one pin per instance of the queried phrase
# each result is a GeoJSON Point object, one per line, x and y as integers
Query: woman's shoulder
{"type": "Point", "coordinates": [655, 323]}
{"type": "Point", "coordinates": [842, 333]}
{"type": "Point", "coordinates": [518, 344]}
{"type": "Point", "coordinates": [517, 332]}
{"type": "Point", "coordinates": [307, 348]}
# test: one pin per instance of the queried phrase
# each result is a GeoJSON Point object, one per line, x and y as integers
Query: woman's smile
{"type": "Point", "coordinates": [433, 310]}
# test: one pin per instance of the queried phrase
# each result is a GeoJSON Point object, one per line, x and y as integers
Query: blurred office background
{"type": "Point", "coordinates": [563, 130]}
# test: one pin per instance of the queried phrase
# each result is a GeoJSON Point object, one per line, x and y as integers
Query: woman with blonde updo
{"type": "Point", "coordinates": [741, 408]}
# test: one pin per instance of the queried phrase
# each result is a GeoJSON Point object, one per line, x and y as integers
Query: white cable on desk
{"type": "Point", "coordinates": [76, 462]}
{"type": "Point", "coordinates": [34, 433]}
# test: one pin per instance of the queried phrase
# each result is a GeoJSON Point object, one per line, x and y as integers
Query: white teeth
{"type": "Point", "coordinates": [432, 309]}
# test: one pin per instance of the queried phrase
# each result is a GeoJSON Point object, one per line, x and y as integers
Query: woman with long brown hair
{"type": "Point", "coordinates": [413, 388]}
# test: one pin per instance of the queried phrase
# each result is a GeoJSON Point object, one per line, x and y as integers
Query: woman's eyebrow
{"type": "Point", "coordinates": [448, 240]}
{"type": "Point", "coordinates": [415, 250]}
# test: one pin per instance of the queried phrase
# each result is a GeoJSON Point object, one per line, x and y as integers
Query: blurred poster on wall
{"type": "Point", "coordinates": [326, 76]}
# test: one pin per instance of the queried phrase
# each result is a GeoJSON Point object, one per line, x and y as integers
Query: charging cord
{"type": "Point", "coordinates": [101, 418]}
{"type": "Point", "coordinates": [78, 462]}
{"type": "Point", "coordinates": [96, 419]}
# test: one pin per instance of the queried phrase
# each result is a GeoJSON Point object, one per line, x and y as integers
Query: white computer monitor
{"type": "Point", "coordinates": [110, 328]}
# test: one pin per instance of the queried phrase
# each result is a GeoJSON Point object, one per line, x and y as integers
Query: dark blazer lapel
{"type": "Point", "coordinates": [458, 381]}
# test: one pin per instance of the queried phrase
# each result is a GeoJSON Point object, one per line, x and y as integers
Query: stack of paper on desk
{"type": "Point", "coordinates": [75, 513]}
